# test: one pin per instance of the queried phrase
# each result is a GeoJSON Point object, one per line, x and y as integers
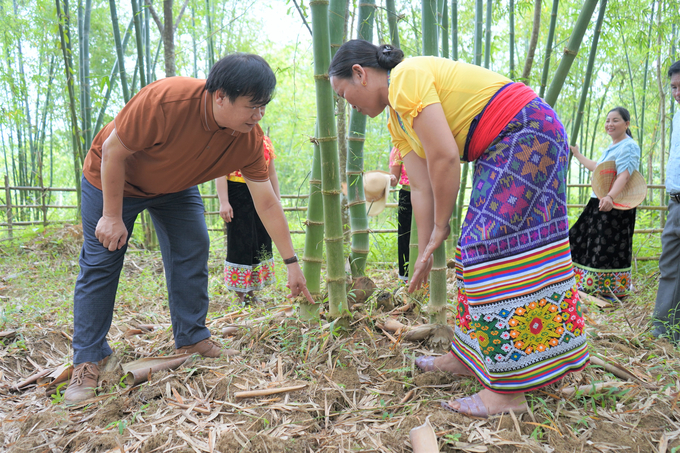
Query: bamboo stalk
{"type": "Point", "coordinates": [274, 391]}
{"type": "Point", "coordinates": [570, 51]}
{"type": "Point", "coordinates": [512, 38]}
{"type": "Point", "coordinates": [478, 31]}
{"type": "Point", "coordinates": [641, 134]}
{"type": "Point", "coordinates": [119, 51]}
{"type": "Point", "coordinates": [454, 29]}
{"type": "Point", "coordinates": [589, 71]}
{"type": "Point", "coordinates": [312, 258]}
{"type": "Point", "coordinates": [392, 22]}
{"type": "Point", "coordinates": [548, 47]}
{"type": "Point", "coordinates": [358, 218]}
{"type": "Point", "coordinates": [330, 184]}
{"type": "Point", "coordinates": [487, 34]}
{"type": "Point", "coordinates": [445, 30]}
{"type": "Point", "coordinates": [140, 43]}
{"type": "Point", "coordinates": [529, 61]}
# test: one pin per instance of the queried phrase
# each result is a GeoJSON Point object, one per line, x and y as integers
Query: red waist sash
{"type": "Point", "coordinates": [502, 108]}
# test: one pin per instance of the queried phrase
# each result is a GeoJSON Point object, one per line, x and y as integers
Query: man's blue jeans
{"type": "Point", "coordinates": [184, 242]}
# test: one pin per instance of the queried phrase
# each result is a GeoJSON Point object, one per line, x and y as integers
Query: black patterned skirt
{"type": "Point", "coordinates": [249, 265]}
{"type": "Point", "coordinates": [602, 250]}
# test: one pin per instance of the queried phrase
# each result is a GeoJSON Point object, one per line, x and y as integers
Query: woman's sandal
{"type": "Point", "coordinates": [473, 406]}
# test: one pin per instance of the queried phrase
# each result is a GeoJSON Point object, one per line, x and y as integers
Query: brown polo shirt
{"type": "Point", "coordinates": [170, 127]}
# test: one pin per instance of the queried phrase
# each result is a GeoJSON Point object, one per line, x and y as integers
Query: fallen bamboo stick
{"type": "Point", "coordinates": [33, 378]}
{"type": "Point", "coordinates": [592, 388]}
{"type": "Point", "coordinates": [265, 392]}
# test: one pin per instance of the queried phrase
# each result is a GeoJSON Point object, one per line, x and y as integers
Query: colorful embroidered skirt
{"type": "Point", "coordinates": [602, 250]}
{"type": "Point", "coordinates": [249, 265]}
{"type": "Point", "coordinates": [519, 324]}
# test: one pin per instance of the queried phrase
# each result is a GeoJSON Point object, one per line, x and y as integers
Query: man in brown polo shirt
{"type": "Point", "coordinates": [172, 135]}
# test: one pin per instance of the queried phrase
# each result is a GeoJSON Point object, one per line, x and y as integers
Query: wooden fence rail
{"type": "Point", "coordinates": [9, 208]}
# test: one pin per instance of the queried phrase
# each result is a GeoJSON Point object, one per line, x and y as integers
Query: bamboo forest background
{"type": "Point", "coordinates": [60, 81]}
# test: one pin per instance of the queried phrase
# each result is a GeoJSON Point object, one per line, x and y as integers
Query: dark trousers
{"type": "Point", "coordinates": [184, 242]}
{"type": "Point", "coordinates": [666, 318]}
{"type": "Point", "coordinates": [404, 231]}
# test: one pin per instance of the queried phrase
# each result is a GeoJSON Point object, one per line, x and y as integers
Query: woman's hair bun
{"type": "Point", "coordinates": [389, 56]}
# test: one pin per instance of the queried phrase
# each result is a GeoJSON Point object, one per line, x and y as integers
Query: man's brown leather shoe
{"type": "Point", "coordinates": [206, 348]}
{"type": "Point", "coordinates": [83, 383]}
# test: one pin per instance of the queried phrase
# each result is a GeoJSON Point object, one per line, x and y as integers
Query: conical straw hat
{"type": "Point", "coordinates": [632, 194]}
{"type": "Point", "coordinates": [376, 189]}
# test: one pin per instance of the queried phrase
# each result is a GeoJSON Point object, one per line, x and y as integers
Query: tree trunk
{"type": "Point", "coordinates": [570, 52]}
{"type": "Point", "coordinates": [548, 47]}
{"type": "Point", "coordinates": [429, 27]}
{"type": "Point", "coordinates": [528, 63]}
{"type": "Point", "coordinates": [335, 268]}
{"type": "Point", "coordinates": [356, 201]}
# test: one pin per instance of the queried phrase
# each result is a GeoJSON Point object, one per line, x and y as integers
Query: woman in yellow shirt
{"type": "Point", "coordinates": [518, 325]}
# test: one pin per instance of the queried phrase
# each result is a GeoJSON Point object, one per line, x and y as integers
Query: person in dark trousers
{"type": "Point", "coordinates": [174, 134]}
{"type": "Point", "coordinates": [398, 176]}
{"type": "Point", "coordinates": [666, 317]}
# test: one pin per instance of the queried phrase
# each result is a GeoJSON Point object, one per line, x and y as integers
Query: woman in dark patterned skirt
{"type": "Point", "coordinates": [602, 238]}
{"type": "Point", "coordinates": [249, 265]}
{"type": "Point", "coordinates": [519, 325]}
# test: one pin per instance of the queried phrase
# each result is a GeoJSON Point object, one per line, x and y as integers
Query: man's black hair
{"type": "Point", "coordinates": [242, 74]}
{"type": "Point", "coordinates": [674, 69]}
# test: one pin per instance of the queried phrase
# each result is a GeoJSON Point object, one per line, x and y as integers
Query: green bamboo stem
{"type": "Point", "coordinates": [330, 185]}
{"type": "Point", "coordinates": [147, 43]}
{"type": "Point", "coordinates": [119, 51]}
{"type": "Point", "coordinates": [461, 199]}
{"type": "Point", "coordinates": [641, 134]}
{"type": "Point", "coordinates": [392, 22]}
{"type": "Point", "coordinates": [140, 44]}
{"type": "Point", "coordinates": [445, 30]}
{"type": "Point", "coordinates": [454, 29]}
{"type": "Point", "coordinates": [78, 155]}
{"type": "Point", "coordinates": [512, 39]}
{"type": "Point", "coordinates": [412, 247]}
{"type": "Point", "coordinates": [536, 27]}
{"type": "Point", "coordinates": [112, 81]}
{"type": "Point", "coordinates": [479, 16]}
{"type": "Point", "coordinates": [589, 72]}
{"type": "Point", "coordinates": [211, 45]}
{"type": "Point", "coordinates": [429, 27]}
{"type": "Point", "coordinates": [312, 258]}
{"type": "Point", "coordinates": [487, 40]}
{"type": "Point", "coordinates": [570, 51]}
{"type": "Point", "coordinates": [356, 200]}
{"type": "Point", "coordinates": [548, 47]}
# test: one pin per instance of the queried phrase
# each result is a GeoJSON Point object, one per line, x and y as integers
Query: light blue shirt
{"type": "Point", "coordinates": [625, 153]}
{"type": "Point", "coordinates": [673, 167]}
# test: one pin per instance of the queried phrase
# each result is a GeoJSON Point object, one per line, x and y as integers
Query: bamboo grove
{"type": "Point", "coordinates": [68, 67]}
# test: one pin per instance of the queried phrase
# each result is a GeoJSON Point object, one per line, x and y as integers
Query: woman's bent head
{"type": "Point", "coordinates": [358, 74]}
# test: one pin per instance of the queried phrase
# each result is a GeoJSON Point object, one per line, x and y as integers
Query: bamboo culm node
{"type": "Point", "coordinates": [338, 239]}
{"type": "Point", "coordinates": [311, 222]}
{"type": "Point", "coordinates": [317, 140]}
{"type": "Point", "coordinates": [318, 2]}
{"type": "Point", "coordinates": [312, 260]}
{"type": "Point", "coordinates": [331, 192]}
{"type": "Point", "coordinates": [321, 77]}
{"type": "Point", "coordinates": [335, 280]}
{"type": "Point", "coordinates": [360, 251]}
{"type": "Point", "coordinates": [354, 203]}
{"type": "Point", "coordinates": [356, 139]}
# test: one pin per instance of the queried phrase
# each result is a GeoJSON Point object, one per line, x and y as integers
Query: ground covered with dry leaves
{"type": "Point", "coordinates": [355, 392]}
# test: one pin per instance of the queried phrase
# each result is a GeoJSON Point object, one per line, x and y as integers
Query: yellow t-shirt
{"type": "Point", "coordinates": [462, 89]}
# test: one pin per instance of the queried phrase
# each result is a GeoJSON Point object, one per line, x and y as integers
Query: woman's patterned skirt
{"type": "Point", "coordinates": [519, 324]}
{"type": "Point", "coordinates": [602, 250]}
{"type": "Point", "coordinates": [249, 265]}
